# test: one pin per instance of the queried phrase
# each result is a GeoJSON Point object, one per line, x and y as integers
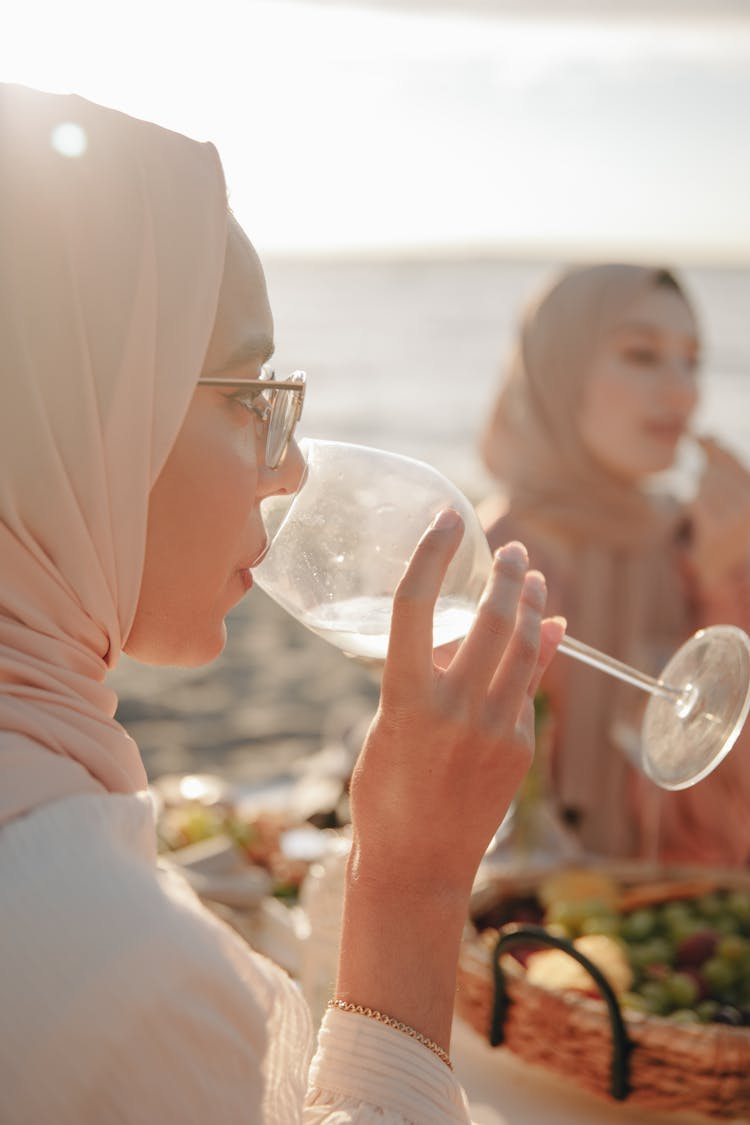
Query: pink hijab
{"type": "Point", "coordinates": [622, 593]}
{"type": "Point", "coordinates": [113, 237]}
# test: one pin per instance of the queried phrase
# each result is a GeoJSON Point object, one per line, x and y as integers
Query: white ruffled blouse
{"type": "Point", "coordinates": [123, 1000]}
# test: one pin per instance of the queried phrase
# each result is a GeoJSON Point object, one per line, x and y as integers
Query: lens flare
{"type": "Point", "coordinates": [69, 139]}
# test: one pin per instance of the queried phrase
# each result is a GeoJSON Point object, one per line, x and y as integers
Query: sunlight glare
{"type": "Point", "coordinates": [69, 139]}
{"type": "Point", "coordinates": [351, 128]}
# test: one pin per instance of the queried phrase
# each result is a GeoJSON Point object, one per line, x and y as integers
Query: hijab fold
{"type": "Point", "coordinates": [113, 237]}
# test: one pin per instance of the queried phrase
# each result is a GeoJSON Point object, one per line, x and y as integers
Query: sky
{"type": "Point", "coordinates": [433, 126]}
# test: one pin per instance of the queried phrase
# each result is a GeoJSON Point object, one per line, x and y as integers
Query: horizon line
{"type": "Point", "coordinates": [721, 257]}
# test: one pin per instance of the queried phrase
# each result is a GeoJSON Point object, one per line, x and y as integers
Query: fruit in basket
{"type": "Point", "coordinates": [695, 950]}
{"type": "Point", "coordinates": [577, 885]}
{"type": "Point", "coordinates": [682, 1036]}
{"type": "Point", "coordinates": [706, 971]}
{"type": "Point", "coordinates": [553, 968]}
{"type": "Point", "coordinates": [676, 950]}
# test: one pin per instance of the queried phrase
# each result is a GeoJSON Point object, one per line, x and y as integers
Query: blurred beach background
{"type": "Point", "coordinates": [409, 173]}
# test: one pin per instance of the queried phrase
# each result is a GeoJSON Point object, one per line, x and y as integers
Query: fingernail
{"type": "Point", "coordinates": [562, 621]}
{"type": "Point", "coordinates": [534, 590]}
{"type": "Point", "coordinates": [446, 519]}
{"type": "Point", "coordinates": [513, 552]}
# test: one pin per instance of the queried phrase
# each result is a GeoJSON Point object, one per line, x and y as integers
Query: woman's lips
{"type": "Point", "coordinates": [246, 572]}
{"type": "Point", "coordinates": [666, 431]}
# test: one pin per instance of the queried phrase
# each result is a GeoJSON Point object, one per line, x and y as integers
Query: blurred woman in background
{"type": "Point", "coordinates": [600, 389]}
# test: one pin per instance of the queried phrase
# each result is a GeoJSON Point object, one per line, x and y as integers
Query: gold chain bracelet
{"type": "Point", "coordinates": [389, 1021]}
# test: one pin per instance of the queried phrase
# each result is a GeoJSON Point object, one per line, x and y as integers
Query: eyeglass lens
{"type": "Point", "coordinates": [280, 426]}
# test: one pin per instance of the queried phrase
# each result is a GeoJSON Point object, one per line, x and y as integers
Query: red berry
{"type": "Point", "coordinates": [694, 950]}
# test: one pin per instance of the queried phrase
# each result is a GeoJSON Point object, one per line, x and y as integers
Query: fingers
{"type": "Point", "coordinates": [476, 661]}
{"type": "Point", "coordinates": [722, 466]}
{"type": "Point", "coordinates": [553, 631]}
{"type": "Point", "coordinates": [443, 655]}
{"type": "Point", "coordinates": [410, 642]}
{"type": "Point", "coordinates": [714, 451]}
{"type": "Point", "coordinates": [513, 679]}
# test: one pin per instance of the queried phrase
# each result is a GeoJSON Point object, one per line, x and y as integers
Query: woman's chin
{"type": "Point", "coordinates": [189, 650]}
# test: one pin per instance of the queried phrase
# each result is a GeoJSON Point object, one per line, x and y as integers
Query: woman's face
{"type": "Point", "coordinates": [641, 390]}
{"type": "Point", "coordinates": [204, 526]}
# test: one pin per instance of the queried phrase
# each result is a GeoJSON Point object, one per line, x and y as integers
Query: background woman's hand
{"type": "Point", "coordinates": [720, 518]}
{"type": "Point", "coordinates": [449, 746]}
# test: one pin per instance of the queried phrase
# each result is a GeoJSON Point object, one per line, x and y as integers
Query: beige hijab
{"type": "Point", "coordinates": [619, 542]}
{"type": "Point", "coordinates": [113, 237]}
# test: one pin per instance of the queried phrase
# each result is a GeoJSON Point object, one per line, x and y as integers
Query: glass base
{"type": "Point", "coordinates": [683, 740]}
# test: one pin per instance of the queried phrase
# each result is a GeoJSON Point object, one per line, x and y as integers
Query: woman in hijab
{"type": "Point", "coordinates": [600, 387]}
{"type": "Point", "coordinates": [129, 520]}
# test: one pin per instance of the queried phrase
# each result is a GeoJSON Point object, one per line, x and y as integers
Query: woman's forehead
{"type": "Point", "coordinates": [658, 309]}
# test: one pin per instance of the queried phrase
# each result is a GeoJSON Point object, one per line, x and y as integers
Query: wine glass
{"type": "Point", "coordinates": [341, 543]}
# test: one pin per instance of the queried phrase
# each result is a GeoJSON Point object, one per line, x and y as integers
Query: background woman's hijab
{"type": "Point", "coordinates": [537, 449]}
{"type": "Point", "coordinates": [113, 237]}
{"type": "Point", "coordinates": [623, 586]}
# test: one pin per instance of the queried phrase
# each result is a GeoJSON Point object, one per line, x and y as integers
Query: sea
{"type": "Point", "coordinates": [405, 353]}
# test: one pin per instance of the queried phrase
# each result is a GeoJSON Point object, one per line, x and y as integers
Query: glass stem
{"type": "Point", "coordinates": [587, 655]}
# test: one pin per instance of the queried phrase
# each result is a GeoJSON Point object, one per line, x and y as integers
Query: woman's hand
{"type": "Point", "coordinates": [449, 746]}
{"type": "Point", "coordinates": [440, 765]}
{"type": "Point", "coordinates": [720, 519]}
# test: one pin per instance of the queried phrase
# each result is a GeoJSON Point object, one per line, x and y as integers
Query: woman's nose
{"type": "Point", "coordinates": [288, 476]}
{"type": "Point", "coordinates": [680, 384]}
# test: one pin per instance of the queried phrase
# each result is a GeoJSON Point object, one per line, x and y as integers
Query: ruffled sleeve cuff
{"type": "Point", "coordinates": [361, 1060]}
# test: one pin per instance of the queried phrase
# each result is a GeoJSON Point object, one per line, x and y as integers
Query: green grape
{"type": "Point", "coordinates": [727, 924]}
{"type": "Point", "coordinates": [638, 926]}
{"type": "Point", "coordinates": [683, 928]}
{"type": "Point", "coordinates": [582, 917]}
{"type": "Point", "coordinates": [639, 955]}
{"type": "Point", "coordinates": [718, 974]}
{"type": "Point", "coordinates": [682, 989]}
{"type": "Point", "coordinates": [743, 969]}
{"type": "Point", "coordinates": [706, 1010]}
{"type": "Point", "coordinates": [677, 915]}
{"type": "Point", "coordinates": [710, 905]}
{"type": "Point", "coordinates": [662, 950]}
{"type": "Point", "coordinates": [608, 924]}
{"type": "Point", "coordinates": [567, 914]}
{"type": "Point", "coordinates": [656, 951]}
{"type": "Point", "coordinates": [733, 948]}
{"type": "Point", "coordinates": [684, 1015]}
{"type": "Point", "coordinates": [657, 998]}
{"type": "Point", "coordinates": [738, 903]}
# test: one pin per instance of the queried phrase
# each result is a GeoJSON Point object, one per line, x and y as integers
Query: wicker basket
{"type": "Point", "coordinates": [653, 1062]}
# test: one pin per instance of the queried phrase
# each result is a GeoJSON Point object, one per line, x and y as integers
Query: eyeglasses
{"type": "Point", "coordinates": [277, 404]}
